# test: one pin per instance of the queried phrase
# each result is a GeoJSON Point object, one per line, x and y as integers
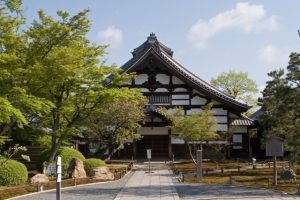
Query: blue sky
{"type": "Point", "coordinates": [207, 37]}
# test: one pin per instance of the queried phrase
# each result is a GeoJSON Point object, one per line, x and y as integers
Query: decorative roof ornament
{"type": "Point", "coordinates": [152, 39]}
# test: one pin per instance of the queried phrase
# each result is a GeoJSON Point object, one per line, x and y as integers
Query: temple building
{"type": "Point", "coordinates": [167, 83]}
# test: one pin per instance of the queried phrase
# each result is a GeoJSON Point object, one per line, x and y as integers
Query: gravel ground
{"type": "Point", "coordinates": [107, 191]}
{"type": "Point", "coordinates": [193, 191]}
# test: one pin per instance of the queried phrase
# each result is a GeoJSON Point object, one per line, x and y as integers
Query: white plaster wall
{"type": "Point", "coordinates": [180, 96]}
{"type": "Point", "coordinates": [219, 111]}
{"type": "Point", "coordinates": [163, 78]}
{"type": "Point", "coordinates": [153, 131]}
{"type": "Point", "coordinates": [180, 90]}
{"type": "Point", "coordinates": [144, 90]}
{"type": "Point", "coordinates": [196, 100]}
{"type": "Point", "coordinates": [216, 102]}
{"type": "Point", "coordinates": [221, 127]}
{"type": "Point", "coordinates": [177, 141]}
{"type": "Point", "coordinates": [239, 129]}
{"type": "Point", "coordinates": [141, 78]}
{"type": "Point", "coordinates": [161, 90]}
{"type": "Point", "coordinates": [193, 111]}
{"type": "Point", "coordinates": [180, 102]}
{"type": "Point", "coordinates": [177, 80]}
{"type": "Point", "coordinates": [222, 119]}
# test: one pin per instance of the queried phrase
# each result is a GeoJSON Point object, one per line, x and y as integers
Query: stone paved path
{"type": "Point", "coordinates": [155, 185]}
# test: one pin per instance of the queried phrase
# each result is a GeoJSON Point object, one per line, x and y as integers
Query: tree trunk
{"type": "Point", "coordinates": [112, 153]}
{"type": "Point", "coordinates": [54, 149]}
{"type": "Point", "coordinates": [191, 154]}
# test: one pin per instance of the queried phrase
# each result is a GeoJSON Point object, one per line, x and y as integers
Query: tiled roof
{"type": "Point", "coordinates": [241, 121]}
{"type": "Point", "coordinates": [165, 53]}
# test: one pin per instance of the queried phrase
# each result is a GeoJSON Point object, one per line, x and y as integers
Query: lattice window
{"type": "Point", "coordinates": [159, 99]}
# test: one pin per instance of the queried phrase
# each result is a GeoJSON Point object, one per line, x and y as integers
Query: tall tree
{"type": "Point", "coordinates": [281, 106]}
{"type": "Point", "coordinates": [238, 85]}
{"type": "Point", "coordinates": [68, 72]}
{"type": "Point", "coordinates": [17, 104]}
{"type": "Point", "coordinates": [196, 127]}
{"type": "Point", "coordinates": [118, 120]}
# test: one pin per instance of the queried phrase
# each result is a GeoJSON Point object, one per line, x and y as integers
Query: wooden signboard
{"type": "Point", "coordinates": [274, 147]}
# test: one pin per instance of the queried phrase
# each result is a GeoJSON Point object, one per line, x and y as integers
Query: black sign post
{"type": "Point", "coordinates": [58, 178]}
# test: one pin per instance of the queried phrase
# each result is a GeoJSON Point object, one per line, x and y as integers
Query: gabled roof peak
{"type": "Point", "coordinates": [152, 42]}
{"type": "Point", "coordinates": [152, 39]}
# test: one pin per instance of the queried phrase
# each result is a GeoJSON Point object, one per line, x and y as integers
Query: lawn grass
{"type": "Point", "coordinates": [255, 177]}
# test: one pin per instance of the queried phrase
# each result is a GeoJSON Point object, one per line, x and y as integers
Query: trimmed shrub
{"type": "Point", "coordinates": [66, 154]}
{"type": "Point", "coordinates": [92, 163]}
{"type": "Point", "coordinates": [13, 172]}
{"type": "Point", "coordinates": [214, 155]}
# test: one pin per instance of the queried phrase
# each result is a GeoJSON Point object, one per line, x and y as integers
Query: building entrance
{"type": "Point", "coordinates": [159, 144]}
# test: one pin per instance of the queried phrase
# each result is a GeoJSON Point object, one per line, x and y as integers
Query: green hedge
{"type": "Point", "coordinates": [66, 154]}
{"type": "Point", "coordinates": [13, 172]}
{"type": "Point", "coordinates": [92, 163]}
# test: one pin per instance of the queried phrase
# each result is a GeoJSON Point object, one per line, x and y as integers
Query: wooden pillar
{"type": "Point", "coordinates": [170, 144]}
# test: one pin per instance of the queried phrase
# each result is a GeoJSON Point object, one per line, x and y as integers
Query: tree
{"type": "Point", "coordinates": [68, 73]}
{"type": "Point", "coordinates": [281, 106]}
{"type": "Point", "coordinates": [238, 85]}
{"type": "Point", "coordinates": [17, 104]}
{"type": "Point", "coordinates": [196, 127]}
{"type": "Point", "coordinates": [117, 120]}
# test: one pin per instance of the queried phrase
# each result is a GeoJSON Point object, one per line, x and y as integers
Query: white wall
{"type": "Point", "coordinates": [219, 111]}
{"type": "Point", "coordinates": [177, 80]}
{"type": "Point", "coordinates": [180, 90]}
{"type": "Point", "coordinates": [180, 102]}
{"type": "Point", "coordinates": [153, 131]}
{"type": "Point", "coordinates": [141, 78]}
{"type": "Point", "coordinates": [163, 78]}
{"type": "Point", "coordinates": [180, 96]}
{"type": "Point", "coordinates": [196, 100]}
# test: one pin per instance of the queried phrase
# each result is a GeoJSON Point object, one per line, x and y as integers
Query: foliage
{"type": "Point", "coordinates": [17, 104]}
{"type": "Point", "coordinates": [214, 154]}
{"type": "Point", "coordinates": [91, 163]}
{"type": "Point", "coordinates": [66, 154]}
{"type": "Point", "coordinates": [196, 127]}
{"type": "Point", "coordinates": [7, 154]}
{"type": "Point", "coordinates": [117, 120]}
{"type": "Point", "coordinates": [238, 85]}
{"type": "Point", "coordinates": [281, 106]}
{"type": "Point", "coordinates": [13, 173]}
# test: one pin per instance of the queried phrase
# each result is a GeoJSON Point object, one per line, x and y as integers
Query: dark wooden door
{"type": "Point", "coordinates": [157, 143]}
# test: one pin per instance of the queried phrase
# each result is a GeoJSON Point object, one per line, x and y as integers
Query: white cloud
{"type": "Point", "coordinates": [272, 55]}
{"type": "Point", "coordinates": [244, 16]}
{"type": "Point", "coordinates": [112, 36]}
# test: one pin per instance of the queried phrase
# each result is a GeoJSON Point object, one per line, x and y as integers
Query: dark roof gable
{"type": "Point", "coordinates": [152, 45]}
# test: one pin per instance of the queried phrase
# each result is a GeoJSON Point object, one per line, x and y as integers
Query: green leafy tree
{"type": "Point", "coordinates": [17, 104]}
{"type": "Point", "coordinates": [117, 120]}
{"type": "Point", "coordinates": [68, 73]}
{"type": "Point", "coordinates": [196, 127]}
{"type": "Point", "coordinates": [281, 106]}
{"type": "Point", "coordinates": [238, 85]}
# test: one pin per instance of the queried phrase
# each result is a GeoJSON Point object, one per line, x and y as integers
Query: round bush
{"type": "Point", "coordinates": [214, 155]}
{"type": "Point", "coordinates": [92, 163]}
{"type": "Point", "coordinates": [13, 172]}
{"type": "Point", "coordinates": [66, 154]}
